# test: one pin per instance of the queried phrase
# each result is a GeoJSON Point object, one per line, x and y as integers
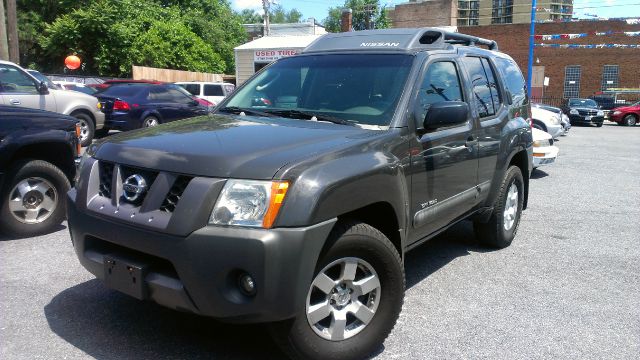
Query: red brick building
{"type": "Point", "coordinates": [583, 66]}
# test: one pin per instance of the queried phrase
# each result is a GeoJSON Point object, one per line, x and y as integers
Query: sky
{"type": "Point", "coordinates": [582, 8]}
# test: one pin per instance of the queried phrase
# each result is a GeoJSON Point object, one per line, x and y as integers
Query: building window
{"type": "Point", "coordinates": [609, 77]}
{"type": "Point", "coordinates": [468, 12]}
{"type": "Point", "coordinates": [572, 81]}
{"type": "Point", "coordinates": [502, 12]}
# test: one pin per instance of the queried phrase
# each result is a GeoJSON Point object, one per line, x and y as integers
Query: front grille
{"type": "Point", "coordinates": [588, 112]}
{"type": "Point", "coordinates": [106, 176]}
{"type": "Point", "coordinates": [149, 177]}
{"type": "Point", "coordinates": [175, 193]}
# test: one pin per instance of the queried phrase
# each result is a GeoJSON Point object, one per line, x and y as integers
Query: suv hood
{"type": "Point", "coordinates": [226, 146]}
{"type": "Point", "coordinates": [14, 118]}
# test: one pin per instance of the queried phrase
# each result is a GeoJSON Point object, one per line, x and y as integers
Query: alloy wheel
{"type": "Point", "coordinates": [343, 299]}
{"type": "Point", "coordinates": [511, 207]}
{"type": "Point", "coordinates": [33, 200]}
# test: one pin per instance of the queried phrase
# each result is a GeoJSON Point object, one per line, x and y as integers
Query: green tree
{"type": "Point", "coordinates": [112, 35]}
{"type": "Point", "coordinates": [278, 15]}
{"type": "Point", "coordinates": [366, 14]}
{"type": "Point", "coordinates": [250, 16]}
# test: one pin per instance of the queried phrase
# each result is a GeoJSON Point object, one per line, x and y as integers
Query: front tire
{"type": "Point", "coordinates": [502, 227]}
{"type": "Point", "coordinates": [353, 301]}
{"type": "Point", "coordinates": [33, 199]}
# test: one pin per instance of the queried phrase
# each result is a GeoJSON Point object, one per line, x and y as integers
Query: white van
{"type": "Point", "coordinates": [211, 91]}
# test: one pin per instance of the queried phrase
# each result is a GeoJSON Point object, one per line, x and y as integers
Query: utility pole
{"type": "Point", "coordinates": [4, 45]}
{"type": "Point", "coordinates": [532, 34]}
{"type": "Point", "coordinates": [265, 7]}
{"type": "Point", "coordinates": [12, 31]}
{"type": "Point", "coordinates": [368, 10]}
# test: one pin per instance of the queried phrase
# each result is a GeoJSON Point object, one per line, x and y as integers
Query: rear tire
{"type": "Point", "coordinates": [87, 128]}
{"type": "Point", "coordinates": [630, 120]}
{"type": "Point", "coordinates": [46, 185]}
{"type": "Point", "coordinates": [150, 121]}
{"type": "Point", "coordinates": [312, 336]}
{"type": "Point", "coordinates": [502, 227]}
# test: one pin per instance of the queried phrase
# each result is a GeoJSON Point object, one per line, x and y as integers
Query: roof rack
{"type": "Point", "coordinates": [395, 39]}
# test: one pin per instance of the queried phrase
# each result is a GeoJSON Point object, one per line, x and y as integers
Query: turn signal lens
{"type": "Point", "coordinates": [538, 154]}
{"type": "Point", "coordinates": [78, 132]}
{"type": "Point", "coordinates": [278, 192]}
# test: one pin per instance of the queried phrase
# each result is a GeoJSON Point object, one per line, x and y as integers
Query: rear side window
{"type": "Point", "coordinates": [194, 89]}
{"type": "Point", "coordinates": [213, 90]}
{"type": "Point", "coordinates": [513, 79]}
{"type": "Point", "coordinates": [483, 85]}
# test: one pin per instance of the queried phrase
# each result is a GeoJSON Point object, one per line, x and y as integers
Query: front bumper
{"type": "Point", "coordinates": [585, 120]}
{"type": "Point", "coordinates": [198, 272]}
{"type": "Point", "coordinates": [545, 155]}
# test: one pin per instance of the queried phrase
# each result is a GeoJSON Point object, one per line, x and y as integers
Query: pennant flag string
{"type": "Point", "coordinates": [589, 46]}
{"type": "Point", "coordinates": [581, 35]}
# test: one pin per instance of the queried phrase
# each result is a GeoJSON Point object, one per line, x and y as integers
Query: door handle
{"type": "Point", "coordinates": [470, 143]}
{"type": "Point", "coordinates": [14, 102]}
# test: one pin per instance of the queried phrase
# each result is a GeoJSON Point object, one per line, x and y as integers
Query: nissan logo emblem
{"type": "Point", "coordinates": [134, 187]}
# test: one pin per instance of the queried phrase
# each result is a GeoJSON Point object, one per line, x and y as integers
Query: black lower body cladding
{"type": "Point", "coordinates": [200, 273]}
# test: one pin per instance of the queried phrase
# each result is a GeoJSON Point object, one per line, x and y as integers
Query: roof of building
{"type": "Point", "coordinates": [279, 42]}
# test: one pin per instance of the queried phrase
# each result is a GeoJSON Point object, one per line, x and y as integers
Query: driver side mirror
{"type": "Point", "coordinates": [446, 113]}
{"type": "Point", "coordinates": [42, 88]}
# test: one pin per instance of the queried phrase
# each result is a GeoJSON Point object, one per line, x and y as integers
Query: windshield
{"type": "Point", "coordinates": [588, 103]}
{"type": "Point", "coordinates": [359, 88]}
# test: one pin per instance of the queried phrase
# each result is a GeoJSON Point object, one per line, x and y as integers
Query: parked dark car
{"type": "Point", "coordinates": [137, 105]}
{"type": "Point", "coordinates": [299, 211]}
{"type": "Point", "coordinates": [583, 112]}
{"type": "Point", "coordinates": [626, 115]}
{"type": "Point", "coordinates": [37, 153]}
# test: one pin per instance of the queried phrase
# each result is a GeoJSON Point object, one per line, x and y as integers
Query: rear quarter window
{"type": "Point", "coordinates": [513, 80]}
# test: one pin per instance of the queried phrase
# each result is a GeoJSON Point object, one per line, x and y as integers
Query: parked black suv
{"type": "Point", "coordinates": [584, 112]}
{"type": "Point", "coordinates": [37, 153]}
{"type": "Point", "coordinates": [298, 210]}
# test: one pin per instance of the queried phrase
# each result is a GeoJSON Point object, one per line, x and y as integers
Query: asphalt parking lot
{"type": "Point", "coordinates": [569, 286]}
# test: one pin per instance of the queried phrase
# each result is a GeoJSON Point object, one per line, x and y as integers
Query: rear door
{"type": "Point", "coordinates": [213, 93]}
{"type": "Point", "coordinates": [491, 113]}
{"type": "Point", "coordinates": [17, 88]}
{"type": "Point", "coordinates": [444, 163]}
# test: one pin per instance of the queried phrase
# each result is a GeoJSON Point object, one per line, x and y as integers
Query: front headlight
{"type": "Point", "coordinates": [573, 112]}
{"type": "Point", "coordinates": [617, 112]}
{"type": "Point", "coordinates": [541, 143]}
{"type": "Point", "coordinates": [600, 113]}
{"type": "Point", "coordinates": [249, 203]}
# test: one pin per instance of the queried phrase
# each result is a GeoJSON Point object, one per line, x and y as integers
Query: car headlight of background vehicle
{"type": "Point", "coordinates": [600, 113]}
{"type": "Point", "coordinates": [249, 203]}
{"type": "Point", "coordinates": [573, 112]}
{"type": "Point", "coordinates": [541, 143]}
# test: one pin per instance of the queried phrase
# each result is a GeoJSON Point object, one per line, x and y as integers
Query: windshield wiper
{"type": "Point", "coordinates": [297, 114]}
{"type": "Point", "coordinates": [238, 110]}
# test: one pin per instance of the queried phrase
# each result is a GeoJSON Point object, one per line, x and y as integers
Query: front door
{"type": "Point", "coordinates": [444, 162]}
{"type": "Point", "coordinates": [17, 88]}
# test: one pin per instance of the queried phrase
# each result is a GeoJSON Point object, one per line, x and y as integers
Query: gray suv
{"type": "Point", "coordinates": [295, 202]}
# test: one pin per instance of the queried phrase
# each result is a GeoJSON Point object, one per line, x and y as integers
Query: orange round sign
{"type": "Point", "coordinates": [72, 62]}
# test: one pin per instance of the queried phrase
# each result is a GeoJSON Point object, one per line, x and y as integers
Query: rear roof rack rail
{"type": "Point", "coordinates": [396, 40]}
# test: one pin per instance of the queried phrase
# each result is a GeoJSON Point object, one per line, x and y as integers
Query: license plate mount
{"type": "Point", "coordinates": [125, 275]}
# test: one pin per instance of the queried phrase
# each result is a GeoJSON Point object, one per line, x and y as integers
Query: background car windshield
{"type": "Point", "coordinates": [362, 89]}
{"type": "Point", "coordinates": [583, 103]}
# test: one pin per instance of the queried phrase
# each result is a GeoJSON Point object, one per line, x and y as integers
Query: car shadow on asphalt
{"type": "Point", "coordinates": [108, 325]}
{"type": "Point", "coordinates": [57, 228]}
{"type": "Point", "coordinates": [538, 174]}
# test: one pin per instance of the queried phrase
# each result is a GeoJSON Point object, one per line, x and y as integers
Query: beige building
{"type": "Point", "coordinates": [254, 55]}
{"type": "Point", "coordinates": [419, 13]}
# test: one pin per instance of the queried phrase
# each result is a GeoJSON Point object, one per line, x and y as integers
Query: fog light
{"type": "Point", "coordinates": [247, 284]}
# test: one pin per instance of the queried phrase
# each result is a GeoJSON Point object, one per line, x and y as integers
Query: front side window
{"type": "Point", "coordinates": [14, 81]}
{"type": "Point", "coordinates": [483, 86]}
{"type": "Point", "coordinates": [355, 88]}
{"type": "Point", "coordinates": [440, 83]}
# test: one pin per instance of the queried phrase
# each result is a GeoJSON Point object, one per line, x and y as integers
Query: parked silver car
{"type": "Point", "coordinates": [19, 88]}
